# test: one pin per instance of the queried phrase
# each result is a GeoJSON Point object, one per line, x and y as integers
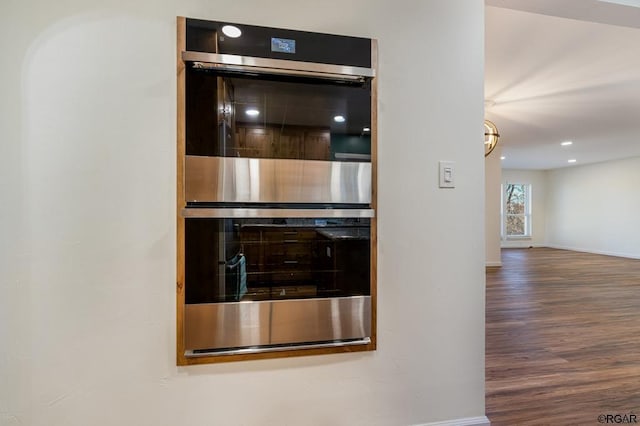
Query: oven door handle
{"type": "Point", "coordinates": [252, 65]}
{"type": "Point", "coordinates": [199, 212]}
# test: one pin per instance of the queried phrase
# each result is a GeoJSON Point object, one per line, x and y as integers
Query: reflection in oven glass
{"type": "Point", "coordinates": [230, 260]}
{"type": "Point", "coordinates": [277, 118]}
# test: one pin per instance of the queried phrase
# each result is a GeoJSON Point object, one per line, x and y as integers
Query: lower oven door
{"type": "Point", "coordinates": [273, 279]}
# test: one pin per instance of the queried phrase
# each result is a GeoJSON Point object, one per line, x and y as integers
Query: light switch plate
{"type": "Point", "coordinates": [447, 174]}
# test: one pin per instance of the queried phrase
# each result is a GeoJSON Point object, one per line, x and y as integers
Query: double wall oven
{"type": "Point", "coordinates": [276, 214]}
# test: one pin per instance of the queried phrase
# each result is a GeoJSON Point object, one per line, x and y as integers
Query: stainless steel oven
{"type": "Point", "coordinates": [277, 183]}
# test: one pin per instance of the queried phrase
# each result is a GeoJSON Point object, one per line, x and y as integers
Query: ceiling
{"type": "Point", "coordinates": [563, 71]}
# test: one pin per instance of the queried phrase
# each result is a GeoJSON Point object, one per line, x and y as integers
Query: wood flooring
{"type": "Point", "coordinates": [562, 338]}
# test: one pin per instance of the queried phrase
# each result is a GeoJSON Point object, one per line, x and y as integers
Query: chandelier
{"type": "Point", "coordinates": [491, 136]}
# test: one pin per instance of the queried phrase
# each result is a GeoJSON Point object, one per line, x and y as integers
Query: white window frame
{"type": "Point", "coordinates": [527, 212]}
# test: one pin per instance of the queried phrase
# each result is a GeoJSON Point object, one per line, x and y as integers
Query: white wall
{"type": "Point", "coordinates": [492, 182]}
{"type": "Point", "coordinates": [594, 208]}
{"type": "Point", "coordinates": [538, 181]}
{"type": "Point", "coordinates": [87, 305]}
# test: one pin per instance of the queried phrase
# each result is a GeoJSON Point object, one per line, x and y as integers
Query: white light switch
{"type": "Point", "coordinates": [447, 174]}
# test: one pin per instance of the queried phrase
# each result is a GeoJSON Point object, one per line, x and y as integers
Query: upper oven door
{"type": "Point", "coordinates": [285, 116]}
{"type": "Point", "coordinates": [254, 135]}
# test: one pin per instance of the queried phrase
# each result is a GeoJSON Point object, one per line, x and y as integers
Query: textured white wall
{"type": "Point", "coordinates": [538, 181]}
{"type": "Point", "coordinates": [595, 207]}
{"type": "Point", "coordinates": [87, 305]}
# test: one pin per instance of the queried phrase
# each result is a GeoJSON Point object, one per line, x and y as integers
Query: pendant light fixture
{"type": "Point", "coordinates": [491, 136]}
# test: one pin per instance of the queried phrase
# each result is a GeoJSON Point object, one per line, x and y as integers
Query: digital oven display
{"type": "Point", "coordinates": [283, 45]}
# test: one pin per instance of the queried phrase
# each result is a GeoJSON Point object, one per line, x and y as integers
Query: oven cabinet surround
{"type": "Point", "coordinates": [283, 263]}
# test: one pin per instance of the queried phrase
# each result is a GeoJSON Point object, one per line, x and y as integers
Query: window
{"type": "Point", "coordinates": [516, 211]}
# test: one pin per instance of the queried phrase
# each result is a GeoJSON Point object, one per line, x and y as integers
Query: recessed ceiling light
{"type": "Point", "coordinates": [503, 157]}
{"type": "Point", "coordinates": [252, 112]}
{"type": "Point", "coordinates": [366, 129]}
{"type": "Point", "coordinates": [573, 160]}
{"type": "Point", "coordinates": [566, 143]}
{"type": "Point", "coordinates": [231, 31]}
{"type": "Point", "coordinates": [339, 119]}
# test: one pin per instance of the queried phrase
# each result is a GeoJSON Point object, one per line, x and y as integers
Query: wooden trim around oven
{"type": "Point", "coordinates": [180, 204]}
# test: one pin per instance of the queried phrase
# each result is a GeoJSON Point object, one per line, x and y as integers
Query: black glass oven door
{"type": "Point", "coordinates": [244, 259]}
{"type": "Point", "coordinates": [276, 117]}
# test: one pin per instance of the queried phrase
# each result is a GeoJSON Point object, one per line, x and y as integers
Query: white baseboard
{"type": "Point", "coordinates": [468, 421]}
{"type": "Point", "coordinates": [520, 244]}
{"type": "Point", "coordinates": [492, 264]}
{"type": "Point", "coordinates": [604, 253]}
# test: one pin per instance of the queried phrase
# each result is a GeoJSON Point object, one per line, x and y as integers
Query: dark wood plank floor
{"type": "Point", "coordinates": [563, 338]}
